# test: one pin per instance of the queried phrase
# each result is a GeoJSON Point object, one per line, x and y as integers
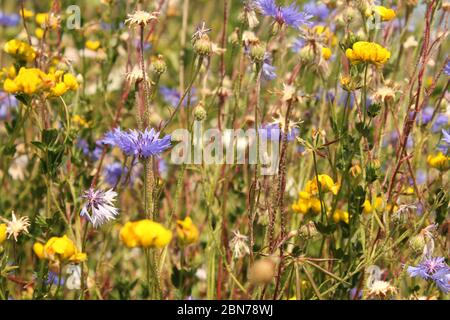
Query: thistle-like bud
{"type": "Point", "coordinates": [417, 243]}
{"type": "Point", "coordinates": [307, 54]}
{"type": "Point", "coordinates": [199, 112]}
{"type": "Point", "coordinates": [257, 53]}
{"type": "Point", "coordinates": [203, 46]}
{"type": "Point", "coordinates": [158, 65]}
{"type": "Point", "coordinates": [234, 37]}
{"type": "Point", "coordinates": [308, 231]}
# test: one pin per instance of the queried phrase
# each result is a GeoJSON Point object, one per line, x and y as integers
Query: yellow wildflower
{"type": "Point", "coordinates": [39, 32]}
{"type": "Point", "coordinates": [59, 248]}
{"type": "Point", "coordinates": [340, 215]}
{"type": "Point", "coordinates": [2, 233]}
{"type": "Point", "coordinates": [70, 81]}
{"type": "Point", "coordinates": [38, 249]}
{"type": "Point", "coordinates": [326, 53]}
{"type": "Point", "coordinates": [386, 14]}
{"type": "Point", "coordinates": [26, 13]}
{"type": "Point", "coordinates": [187, 231]}
{"type": "Point", "coordinates": [439, 161]}
{"type": "Point", "coordinates": [369, 207]}
{"type": "Point", "coordinates": [20, 50]}
{"type": "Point", "coordinates": [326, 183]}
{"type": "Point", "coordinates": [145, 233]}
{"type": "Point", "coordinates": [59, 89]}
{"type": "Point", "coordinates": [368, 52]}
{"type": "Point", "coordinates": [92, 45]}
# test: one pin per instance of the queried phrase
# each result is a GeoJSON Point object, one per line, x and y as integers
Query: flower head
{"type": "Point", "coordinates": [2, 232]}
{"type": "Point", "coordinates": [142, 144]}
{"type": "Point", "coordinates": [99, 207]}
{"type": "Point", "coordinates": [428, 267]}
{"type": "Point", "coordinates": [15, 226]}
{"type": "Point", "coordinates": [239, 245]}
{"type": "Point", "coordinates": [141, 18]}
{"type": "Point", "coordinates": [145, 233]}
{"type": "Point", "coordinates": [59, 249]}
{"type": "Point", "coordinates": [439, 161]}
{"type": "Point", "coordinates": [187, 231]}
{"type": "Point", "coordinates": [368, 52]}
{"type": "Point", "coordinates": [20, 50]}
{"type": "Point", "coordinates": [290, 15]}
{"type": "Point", "coordinates": [386, 14]}
{"type": "Point", "coordinates": [9, 20]}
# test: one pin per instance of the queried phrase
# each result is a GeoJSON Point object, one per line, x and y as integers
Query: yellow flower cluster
{"type": "Point", "coordinates": [20, 50]}
{"type": "Point", "coordinates": [2, 233]}
{"type": "Point", "coordinates": [145, 233]}
{"type": "Point", "coordinates": [386, 14]}
{"type": "Point", "coordinates": [32, 80]}
{"type": "Point", "coordinates": [187, 231]}
{"type": "Point", "coordinates": [59, 248]}
{"type": "Point", "coordinates": [308, 198]}
{"type": "Point", "coordinates": [326, 185]}
{"type": "Point", "coordinates": [376, 205]}
{"type": "Point", "coordinates": [306, 203]}
{"type": "Point", "coordinates": [368, 52]}
{"type": "Point", "coordinates": [439, 161]}
{"type": "Point", "coordinates": [341, 215]}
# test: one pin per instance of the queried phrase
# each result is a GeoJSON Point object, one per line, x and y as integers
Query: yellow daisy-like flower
{"type": "Point", "coordinates": [187, 231]}
{"type": "Point", "coordinates": [368, 52]}
{"type": "Point", "coordinates": [439, 161]}
{"type": "Point", "coordinates": [145, 233]}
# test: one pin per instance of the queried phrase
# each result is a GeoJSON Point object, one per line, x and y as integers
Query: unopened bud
{"type": "Point", "coordinates": [257, 53]}
{"type": "Point", "coordinates": [158, 65]}
{"type": "Point", "coordinates": [203, 46]}
{"type": "Point", "coordinates": [200, 112]}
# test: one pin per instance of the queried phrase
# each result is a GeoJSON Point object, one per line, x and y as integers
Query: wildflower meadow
{"type": "Point", "coordinates": [224, 150]}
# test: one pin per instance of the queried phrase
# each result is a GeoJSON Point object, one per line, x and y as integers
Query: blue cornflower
{"type": "Point", "coordinates": [318, 10]}
{"type": "Point", "coordinates": [172, 96]}
{"type": "Point", "coordinates": [113, 172]}
{"type": "Point", "coordinates": [53, 278]}
{"type": "Point", "coordinates": [6, 103]}
{"type": "Point", "coordinates": [142, 144]}
{"type": "Point", "coordinates": [447, 69]}
{"type": "Point", "coordinates": [290, 15]}
{"type": "Point", "coordinates": [446, 137]}
{"type": "Point", "coordinates": [92, 154]}
{"type": "Point", "coordinates": [9, 20]}
{"type": "Point", "coordinates": [428, 267]}
{"type": "Point", "coordinates": [442, 279]}
{"type": "Point", "coordinates": [268, 70]}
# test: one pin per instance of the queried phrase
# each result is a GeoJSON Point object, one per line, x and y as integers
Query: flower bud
{"type": "Point", "coordinates": [203, 46]}
{"type": "Point", "coordinates": [417, 243]}
{"type": "Point", "coordinates": [257, 53]}
{"type": "Point", "coordinates": [307, 54]}
{"type": "Point", "coordinates": [159, 66]}
{"type": "Point", "coordinates": [200, 112]}
{"type": "Point", "coordinates": [308, 231]}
